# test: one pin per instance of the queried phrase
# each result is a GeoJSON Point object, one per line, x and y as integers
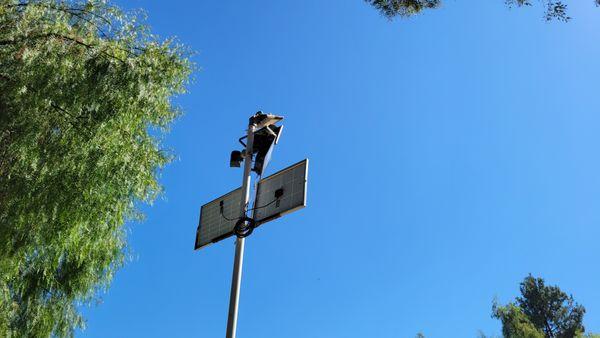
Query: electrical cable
{"type": "Point", "coordinates": [223, 215]}
{"type": "Point", "coordinates": [244, 226]}
{"type": "Point", "coordinates": [266, 205]}
{"type": "Point", "coordinates": [229, 219]}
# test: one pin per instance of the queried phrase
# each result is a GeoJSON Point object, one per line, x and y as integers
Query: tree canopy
{"type": "Point", "coordinates": [541, 311]}
{"type": "Point", "coordinates": [85, 95]}
{"type": "Point", "coordinates": [553, 9]}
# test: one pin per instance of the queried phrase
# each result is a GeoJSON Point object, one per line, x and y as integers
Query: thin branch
{"type": "Point", "coordinates": [61, 37]}
{"type": "Point", "coordinates": [71, 116]}
{"type": "Point", "coordinates": [73, 12]}
{"type": "Point", "coordinates": [63, 9]}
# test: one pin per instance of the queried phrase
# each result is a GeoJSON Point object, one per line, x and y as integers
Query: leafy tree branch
{"type": "Point", "coordinates": [553, 9]}
{"type": "Point", "coordinates": [85, 93]}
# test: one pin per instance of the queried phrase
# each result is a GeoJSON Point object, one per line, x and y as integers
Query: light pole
{"type": "Point", "coordinates": [276, 195]}
{"type": "Point", "coordinates": [236, 279]}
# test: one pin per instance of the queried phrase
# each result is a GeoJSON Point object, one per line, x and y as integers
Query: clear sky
{"type": "Point", "coordinates": [452, 154]}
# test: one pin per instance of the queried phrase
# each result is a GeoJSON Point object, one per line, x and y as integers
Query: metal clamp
{"type": "Point", "coordinates": [244, 227]}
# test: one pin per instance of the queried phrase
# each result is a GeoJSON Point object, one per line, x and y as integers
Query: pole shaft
{"type": "Point", "coordinates": [236, 278]}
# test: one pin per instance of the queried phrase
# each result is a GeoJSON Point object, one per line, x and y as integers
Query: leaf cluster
{"type": "Point", "coordinates": [515, 323]}
{"type": "Point", "coordinates": [554, 9]}
{"type": "Point", "coordinates": [541, 311]}
{"type": "Point", "coordinates": [550, 309]}
{"type": "Point", "coordinates": [85, 95]}
{"type": "Point", "coordinates": [402, 8]}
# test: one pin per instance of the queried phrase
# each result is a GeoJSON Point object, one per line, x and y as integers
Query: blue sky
{"type": "Point", "coordinates": [451, 155]}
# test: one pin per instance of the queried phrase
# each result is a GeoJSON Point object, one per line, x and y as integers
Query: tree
{"type": "Point", "coordinates": [550, 309]}
{"type": "Point", "coordinates": [85, 95]}
{"type": "Point", "coordinates": [554, 9]}
{"type": "Point", "coordinates": [403, 8]}
{"type": "Point", "coordinates": [541, 311]}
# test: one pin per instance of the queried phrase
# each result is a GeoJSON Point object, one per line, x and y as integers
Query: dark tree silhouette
{"type": "Point", "coordinates": [541, 311]}
{"type": "Point", "coordinates": [554, 9]}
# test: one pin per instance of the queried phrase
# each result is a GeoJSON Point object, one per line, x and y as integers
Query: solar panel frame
{"type": "Point", "coordinates": [293, 180]}
{"type": "Point", "coordinates": [214, 227]}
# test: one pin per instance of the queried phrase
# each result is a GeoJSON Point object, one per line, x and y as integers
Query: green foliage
{"type": "Point", "coordinates": [403, 8]}
{"type": "Point", "coordinates": [550, 309]}
{"type": "Point", "coordinates": [515, 323]}
{"type": "Point", "coordinates": [85, 93]}
{"type": "Point", "coordinates": [481, 334]}
{"type": "Point", "coordinates": [541, 311]}
{"type": "Point", "coordinates": [554, 9]}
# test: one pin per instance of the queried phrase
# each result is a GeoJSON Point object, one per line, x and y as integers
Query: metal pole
{"type": "Point", "coordinates": [236, 279]}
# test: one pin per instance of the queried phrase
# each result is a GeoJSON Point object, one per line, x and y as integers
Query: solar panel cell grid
{"type": "Point", "coordinates": [216, 225]}
{"type": "Point", "coordinates": [293, 182]}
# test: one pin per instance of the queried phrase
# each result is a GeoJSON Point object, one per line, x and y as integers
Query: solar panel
{"type": "Point", "coordinates": [217, 218]}
{"type": "Point", "coordinates": [281, 193]}
{"type": "Point", "coordinates": [276, 195]}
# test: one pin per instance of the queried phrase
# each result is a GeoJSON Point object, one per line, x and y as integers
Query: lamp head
{"type": "Point", "coordinates": [261, 120]}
